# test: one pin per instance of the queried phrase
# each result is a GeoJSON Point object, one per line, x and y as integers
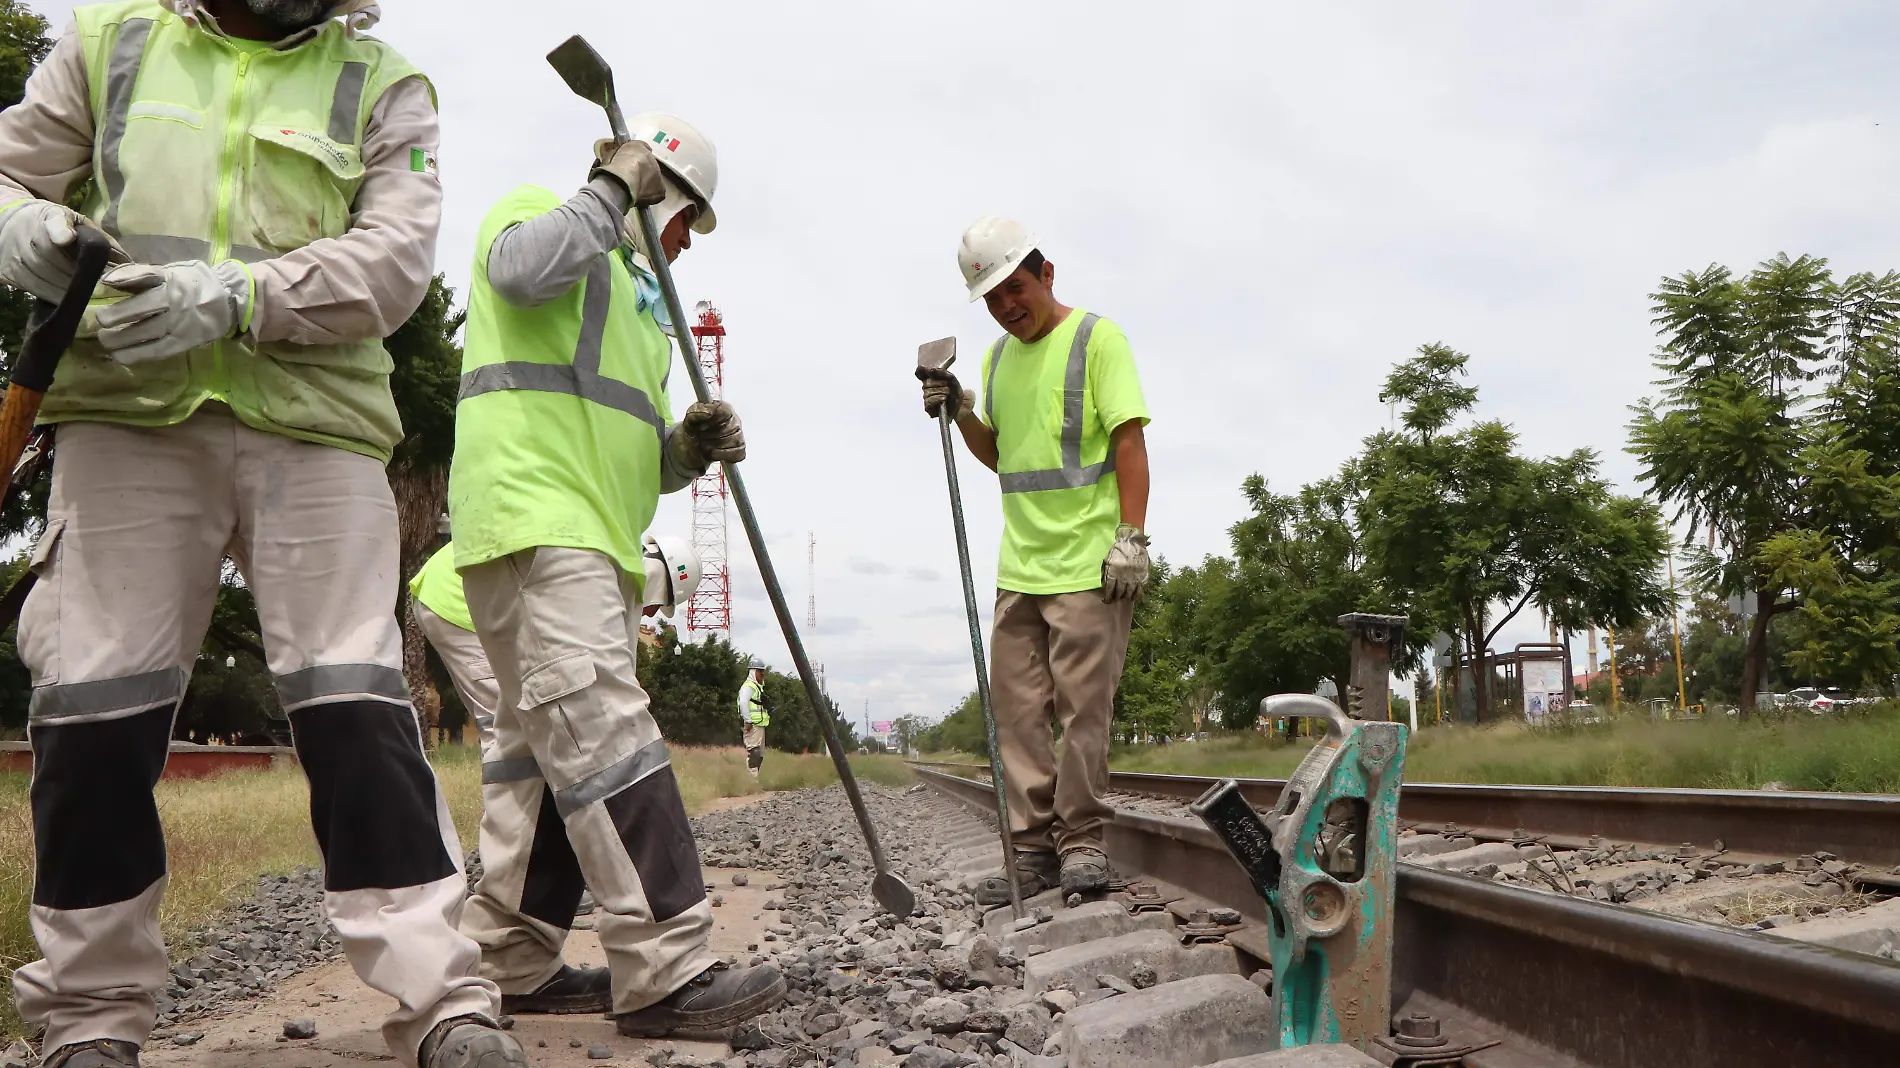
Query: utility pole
{"type": "Point", "coordinates": [1609, 635]}
{"type": "Point", "coordinates": [1675, 628]}
{"type": "Point", "coordinates": [811, 580]}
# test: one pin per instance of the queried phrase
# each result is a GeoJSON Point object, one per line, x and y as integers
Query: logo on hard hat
{"type": "Point", "coordinates": [671, 144]}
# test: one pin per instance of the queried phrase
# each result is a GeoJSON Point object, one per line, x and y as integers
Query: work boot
{"type": "Point", "coordinates": [715, 998]}
{"type": "Point", "coordinates": [99, 1053]}
{"type": "Point", "coordinates": [1084, 871]}
{"type": "Point", "coordinates": [1036, 871]}
{"type": "Point", "coordinates": [470, 1042]}
{"type": "Point", "coordinates": [571, 990]}
{"type": "Point", "coordinates": [587, 903]}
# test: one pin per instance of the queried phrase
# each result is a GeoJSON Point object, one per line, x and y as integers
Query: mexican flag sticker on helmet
{"type": "Point", "coordinates": [666, 140]}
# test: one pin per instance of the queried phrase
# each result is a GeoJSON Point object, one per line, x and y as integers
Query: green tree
{"type": "Point", "coordinates": [961, 731]}
{"type": "Point", "coordinates": [1796, 488]}
{"type": "Point", "coordinates": [424, 380]}
{"type": "Point", "coordinates": [1468, 533]}
{"type": "Point", "coordinates": [694, 688]}
{"type": "Point", "coordinates": [1266, 621]}
{"type": "Point", "coordinates": [23, 43]}
{"type": "Point", "coordinates": [1148, 701]}
{"type": "Point", "coordinates": [906, 731]}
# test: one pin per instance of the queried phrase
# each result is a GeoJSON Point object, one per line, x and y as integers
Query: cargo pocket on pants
{"type": "Point", "coordinates": [574, 750]}
{"type": "Point", "coordinates": [651, 821]}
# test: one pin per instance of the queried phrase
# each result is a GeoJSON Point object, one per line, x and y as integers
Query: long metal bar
{"type": "Point", "coordinates": [982, 668]}
{"type": "Point", "coordinates": [1862, 828]}
{"type": "Point", "coordinates": [1567, 982]}
{"type": "Point", "coordinates": [821, 708]}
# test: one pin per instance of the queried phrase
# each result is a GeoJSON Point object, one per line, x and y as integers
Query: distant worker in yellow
{"type": "Point", "coordinates": [1061, 424]}
{"type": "Point", "coordinates": [753, 716]}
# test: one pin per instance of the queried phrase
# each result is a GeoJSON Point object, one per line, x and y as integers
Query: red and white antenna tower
{"type": "Point", "coordinates": [710, 610]}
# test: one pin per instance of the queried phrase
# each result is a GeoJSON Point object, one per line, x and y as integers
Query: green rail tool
{"type": "Point", "coordinates": [1324, 860]}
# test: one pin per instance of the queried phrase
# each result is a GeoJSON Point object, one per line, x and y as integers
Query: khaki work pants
{"type": "Point", "coordinates": [1056, 658]}
{"type": "Point", "coordinates": [461, 652]}
{"type": "Point", "coordinates": [579, 792]}
{"type": "Point", "coordinates": [139, 522]}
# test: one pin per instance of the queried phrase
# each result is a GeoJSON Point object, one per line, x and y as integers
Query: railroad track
{"type": "Point", "coordinates": [1748, 824]}
{"type": "Point", "coordinates": [1554, 979]}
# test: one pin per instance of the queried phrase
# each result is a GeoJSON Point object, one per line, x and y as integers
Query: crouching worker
{"type": "Point", "coordinates": [563, 444]}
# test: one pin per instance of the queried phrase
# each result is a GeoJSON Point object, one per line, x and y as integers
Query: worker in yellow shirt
{"type": "Point", "coordinates": [753, 716]}
{"type": "Point", "coordinates": [1061, 424]}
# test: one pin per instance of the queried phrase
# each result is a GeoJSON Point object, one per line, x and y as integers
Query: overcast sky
{"type": "Point", "coordinates": [1276, 202]}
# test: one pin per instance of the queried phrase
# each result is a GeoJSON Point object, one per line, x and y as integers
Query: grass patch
{"type": "Point", "coordinates": [222, 833]}
{"type": "Point", "coordinates": [1859, 754]}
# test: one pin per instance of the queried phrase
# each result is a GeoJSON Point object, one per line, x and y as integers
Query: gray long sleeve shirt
{"type": "Point", "coordinates": [360, 285]}
{"type": "Point", "coordinates": [536, 261]}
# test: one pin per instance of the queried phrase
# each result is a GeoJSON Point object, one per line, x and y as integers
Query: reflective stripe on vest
{"type": "Point", "coordinates": [204, 151]}
{"type": "Point", "coordinates": [1073, 473]}
{"type": "Point", "coordinates": [583, 379]}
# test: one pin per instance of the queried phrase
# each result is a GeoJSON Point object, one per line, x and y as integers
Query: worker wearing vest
{"type": "Point", "coordinates": [1061, 425]}
{"type": "Point", "coordinates": [563, 444]}
{"type": "Point", "coordinates": [515, 819]}
{"type": "Point", "coordinates": [270, 172]}
{"type": "Point", "coordinates": [753, 717]}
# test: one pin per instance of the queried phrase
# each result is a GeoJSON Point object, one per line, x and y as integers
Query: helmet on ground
{"type": "Point", "coordinates": [990, 251]}
{"type": "Point", "coordinates": [673, 572]}
{"type": "Point", "coordinates": [689, 159]}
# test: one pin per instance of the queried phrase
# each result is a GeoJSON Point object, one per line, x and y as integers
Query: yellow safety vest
{"type": "Point", "coordinates": [557, 432]}
{"type": "Point", "coordinates": [211, 149]}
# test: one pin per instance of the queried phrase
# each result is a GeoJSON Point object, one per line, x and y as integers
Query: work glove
{"type": "Point", "coordinates": [633, 166]}
{"type": "Point", "coordinates": [38, 246]}
{"type": "Point", "coordinates": [1125, 569]}
{"type": "Point", "coordinates": [709, 433]}
{"type": "Point", "coordinates": [173, 309]}
{"type": "Point", "coordinates": [941, 387]}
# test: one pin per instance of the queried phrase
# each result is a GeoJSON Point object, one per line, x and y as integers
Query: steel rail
{"type": "Point", "coordinates": [1563, 981]}
{"type": "Point", "coordinates": [1862, 828]}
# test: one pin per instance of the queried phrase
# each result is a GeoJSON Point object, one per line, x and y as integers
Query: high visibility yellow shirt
{"type": "Point", "coordinates": [438, 586]}
{"type": "Point", "coordinates": [1053, 405]}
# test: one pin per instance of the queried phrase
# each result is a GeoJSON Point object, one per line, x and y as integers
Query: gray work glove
{"type": "Point", "coordinates": [633, 166]}
{"type": "Point", "coordinates": [1125, 569]}
{"type": "Point", "coordinates": [940, 387]}
{"type": "Point", "coordinates": [173, 309]}
{"type": "Point", "coordinates": [38, 242]}
{"type": "Point", "coordinates": [709, 433]}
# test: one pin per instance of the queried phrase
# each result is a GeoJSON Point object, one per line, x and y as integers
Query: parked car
{"type": "Point", "coordinates": [1820, 699]}
{"type": "Point", "coordinates": [1581, 711]}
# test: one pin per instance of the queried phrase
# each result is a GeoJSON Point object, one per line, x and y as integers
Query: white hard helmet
{"type": "Point", "coordinates": [673, 572]}
{"type": "Point", "coordinates": [687, 156]}
{"type": "Point", "coordinates": [990, 251]}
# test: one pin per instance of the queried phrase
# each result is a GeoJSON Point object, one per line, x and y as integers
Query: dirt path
{"type": "Point", "coordinates": [349, 1015]}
